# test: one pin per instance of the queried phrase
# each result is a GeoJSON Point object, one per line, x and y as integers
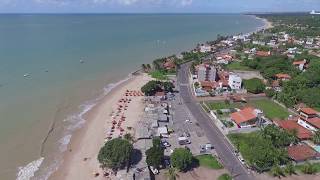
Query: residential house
{"type": "Point", "coordinates": [169, 64]}
{"type": "Point", "coordinates": [259, 43]}
{"type": "Point", "coordinates": [206, 72]}
{"type": "Point", "coordinates": [282, 77]}
{"type": "Point", "coordinates": [247, 117]}
{"type": "Point", "coordinates": [302, 152]}
{"type": "Point", "coordinates": [291, 125]}
{"type": "Point", "coordinates": [224, 59]}
{"type": "Point", "coordinates": [300, 64]}
{"type": "Point", "coordinates": [309, 119]}
{"type": "Point", "coordinates": [234, 81]}
{"type": "Point", "coordinates": [203, 48]}
{"type": "Point", "coordinates": [263, 53]}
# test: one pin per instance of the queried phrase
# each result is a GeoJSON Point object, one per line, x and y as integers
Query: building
{"type": "Point", "coordinates": [309, 119]}
{"type": "Point", "coordinates": [169, 64]}
{"type": "Point", "coordinates": [302, 152]}
{"type": "Point", "coordinates": [206, 72]}
{"type": "Point", "coordinates": [234, 81]}
{"type": "Point", "coordinates": [291, 125]}
{"type": "Point", "coordinates": [247, 117]}
{"type": "Point", "coordinates": [300, 64]}
{"type": "Point", "coordinates": [263, 53]}
{"type": "Point", "coordinates": [283, 77]}
{"type": "Point", "coordinates": [205, 48]}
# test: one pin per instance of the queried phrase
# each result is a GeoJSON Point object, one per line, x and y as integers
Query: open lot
{"type": "Point", "coordinates": [222, 105]}
{"type": "Point", "coordinates": [237, 66]}
{"type": "Point", "coordinates": [270, 109]}
{"type": "Point", "coordinates": [209, 161]}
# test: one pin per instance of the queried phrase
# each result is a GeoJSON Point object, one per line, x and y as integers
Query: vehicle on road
{"type": "Point", "coordinates": [183, 140]}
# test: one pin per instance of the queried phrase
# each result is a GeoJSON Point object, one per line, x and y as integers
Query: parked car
{"type": "Point", "coordinates": [203, 149]}
{"type": "Point", "coordinates": [186, 134]}
{"type": "Point", "coordinates": [165, 143]}
{"type": "Point", "coordinates": [183, 140]}
{"type": "Point", "coordinates": [241, 159]}
{"type": "Point", "coordinates": [154, 170]}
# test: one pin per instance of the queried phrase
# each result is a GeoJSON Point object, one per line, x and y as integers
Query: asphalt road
{"type": "Point", "coordinates": [216, 138]}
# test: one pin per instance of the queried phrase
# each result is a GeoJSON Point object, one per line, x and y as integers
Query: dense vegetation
{"type": "Point", "coordinates": [254, 85]}
{"type": "Point", "coordinates": [155, 154]}
{"type": "Point", "coordinates": [152, 87]}
{"type": "Point", "coordinates": [262, 150]}
{"type": "Point", "coordinates": [181, 158]}
{"type": "Point", "coordinates": [208, 161]}
{"type": "Point", "coordinates": [115, 154]}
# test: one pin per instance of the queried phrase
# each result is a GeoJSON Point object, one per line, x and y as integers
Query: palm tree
{"type": "Point", "coordinates": [172, 173]}
{"type": "Point", "coordinates": [316, 137]}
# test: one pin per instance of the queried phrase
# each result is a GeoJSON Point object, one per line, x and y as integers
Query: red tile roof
{"type": "Point", "coordinates": [314, 122]}
{"type": "Point", "coordinates": [301, 152]}
{"type": "Point", "coordinates": [160, 93]}
{"type": "Point", "coordinates": [299, 62]}
{"type": "Point", "coordinates": [208, 84]}
{"type": "Point", "coordinates": [263, 53]}
{"type": "Point", "coordinates": [169, 64]}
{"type": "Point", "coordinates": [302, 132]}
{"type": "Point", "coordinates": [244, 115]}
{"type": "Point", "coordinates": [309, 111]}
{"type": "Point", "coordinates": [283, 76]}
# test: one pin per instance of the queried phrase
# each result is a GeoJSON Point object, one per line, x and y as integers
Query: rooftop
{"type": "Point", "coordinates": [308, 111]}
{"type": "Point", "coordinates": [301, 152]}
{"type": "Point", "coordinates": [302, 133]}
{"type": "Point", "coordinates": [314, 122]}
{"type": "Point", "coordinates": [282, 76]}
{"type": "Point", "coordinates": [244, 115]}
{"type": "Point", "coordinates": [299, 62]}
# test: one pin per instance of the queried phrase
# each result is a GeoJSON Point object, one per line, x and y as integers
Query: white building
{"type": "Point", "coordinates": [205, 48]}
{"type": "Point", "coordinates": [206, 72]}
{"type": "Point", "coordinates": [234, 81]}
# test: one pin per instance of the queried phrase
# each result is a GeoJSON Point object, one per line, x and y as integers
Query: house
{"type": "Point", "coordinates": [169, 64]}
{"type": "Point", "coordinates": [309, 119]}
{"type": "Point", "coordinates": [234, 81]}
{"type": "Point", "coordinates": [206, 72]}
{"type": "Point", "coordinates": [302, 152]}
{"type": "Point", "coordinates": [259, 43]}
{"type": "Point", "coordinates": [203, 48]}
{"type": "Point", "coordinates": [208, 85]}
{"type": "Point", "coordinates": [224, 59]}
{"type": "Point", "coordinates": [283, 77]}
{"type": "Point", "coordinates": [276, 86]}
{"type": "Point", "coordinates": [247, 117]}
{"type": "Point", "coordinates": [290, 125]}
{"type": "Point", "coordinates": [263, 53]}
{"type": "Point", "coordinates": [300, 64]}
{"type": "Point", "coordinates": [160, 95]}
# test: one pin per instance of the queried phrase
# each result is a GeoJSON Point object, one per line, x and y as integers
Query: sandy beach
{"type": "Point", "coordinates": [80, 161]}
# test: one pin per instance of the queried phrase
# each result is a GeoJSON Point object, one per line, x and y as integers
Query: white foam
{"type": "Point", "coordinates": [75, 121]}
{"type": "Point", "coordinates": [27, 172]}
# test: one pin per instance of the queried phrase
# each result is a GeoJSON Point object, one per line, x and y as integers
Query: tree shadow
{"type": "Point", "coordinates": [136, 156]}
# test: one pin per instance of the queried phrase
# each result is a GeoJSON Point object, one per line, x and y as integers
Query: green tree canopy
{"type": "Point", "coordinates": [254, 85]}
{"type": "Point", "coordinates": [155, 154]}
{"type": "Point", "coordinates": [115, 153]}
{"type": "Point", "coordinates": [181, 159]}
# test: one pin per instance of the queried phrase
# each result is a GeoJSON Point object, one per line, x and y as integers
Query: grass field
{"type": "Point", "coordinates": [316, 166]}
{"type": "Point", "coordinates": [270, 109]}
{"type": "Point", "coordinates": [158, 75]}
{"type": "Point", "coordinates": [237, 66]}
{"type": "Point", "coordinates": [222, 105]}
{"type": "Point", "coordinates": [209, 161]}
{"type": "Point", "coordinates": [225, 177]}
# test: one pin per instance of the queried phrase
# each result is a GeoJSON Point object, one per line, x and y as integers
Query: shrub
{"type": "Point", "coordinates": [181, 159]}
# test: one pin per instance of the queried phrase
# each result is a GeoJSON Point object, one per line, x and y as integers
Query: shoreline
{"type": "Point", "coordinates": [87, 141]}
{"type": "Point", "coordinates": [73, 158]}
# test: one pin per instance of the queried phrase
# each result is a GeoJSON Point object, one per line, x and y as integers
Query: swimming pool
{"type": "Point", "coordinates": [317, 148]}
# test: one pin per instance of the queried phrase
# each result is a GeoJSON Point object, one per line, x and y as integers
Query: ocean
{"type": "Point", "coordinates": [55, 68]}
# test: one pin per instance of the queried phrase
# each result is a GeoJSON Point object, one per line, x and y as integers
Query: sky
{"type": "Point", "coordinates": [156, 6]}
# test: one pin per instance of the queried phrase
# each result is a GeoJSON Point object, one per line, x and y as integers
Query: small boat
{"type": "Point", "coordinates": [81, 61]}
{"type": "Point", "coordinates": [26, 75]}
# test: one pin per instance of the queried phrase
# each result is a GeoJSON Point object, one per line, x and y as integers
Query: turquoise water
{"type": "Point", "coordinates": [49, 48]}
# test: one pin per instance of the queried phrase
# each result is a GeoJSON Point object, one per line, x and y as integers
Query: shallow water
{"type": "Point", "coordinates": [60, 89]}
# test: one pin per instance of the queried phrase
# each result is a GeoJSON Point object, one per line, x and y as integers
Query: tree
{"type": "Point", "coordinates": [316, 137]}
{"type": "Point", "coordinates": [289, 169]}
{"type": "Point", "coordinates": [155, 154]}
{"type": "Point", "coordinates": [181, 159]}
{"type": "Point", "coordinates": [269, 92]}
{"type": "Point", "coordinates": [276, 171]}
{"type": "Point", "coordinates": [172, 173]}
{"type": "Point", "coordinates": [254, 85]}
{"type": "Point", "coordinates": [151, 88]}
{"type": "Point", "coordinates": [128, 137]}
{"type": "Point", "coordinates": [115, 154]}
{"type": "Point", "coordinates": [308, 168]}
{"type": "Point", "coordinates": [168, 86]}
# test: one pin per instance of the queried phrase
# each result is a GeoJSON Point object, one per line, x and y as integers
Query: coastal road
{"type": "Point", "coordinates": [216, 138]}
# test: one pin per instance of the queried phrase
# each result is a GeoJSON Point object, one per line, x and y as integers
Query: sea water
{"type": "Point", "coordinates": [55, 68]}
